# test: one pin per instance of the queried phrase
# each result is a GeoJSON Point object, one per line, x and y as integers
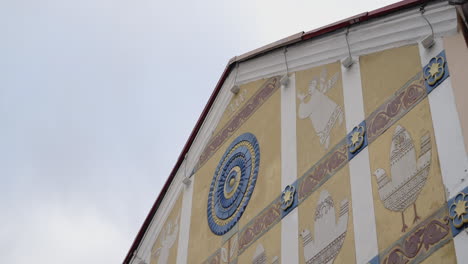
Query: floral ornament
{"type": "Point", "coordinates": [434, 70]}
{"type": "Point", "coordinates": [458, 210]}
{"type": "Point", "coordinates": [287, 197]}
{"type": "Point", "coordinates": [356, 138]}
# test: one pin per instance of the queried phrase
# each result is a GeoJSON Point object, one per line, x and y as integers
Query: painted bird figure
{"type": "Point", "coordinates": [408, 175]}
{"type": "Point", "coordinates": [329, 235]}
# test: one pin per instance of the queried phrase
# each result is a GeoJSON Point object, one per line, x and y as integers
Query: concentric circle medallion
{"type": "Point", "coordinates": [233, 183]}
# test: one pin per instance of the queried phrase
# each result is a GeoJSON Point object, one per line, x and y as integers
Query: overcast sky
{"type": "Point", "coordinates": [98, 97]}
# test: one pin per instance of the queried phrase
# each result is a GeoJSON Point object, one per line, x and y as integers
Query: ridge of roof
{"type": "Point", "coordinates": [295, 38]}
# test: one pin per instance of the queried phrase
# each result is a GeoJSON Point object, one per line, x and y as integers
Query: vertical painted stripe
{"type": "Point", "coordinates": [461, 243]}
{"type": "Point", "coordinates": [185, 217]}
{"type": "Point", "coordinates": [289, 224]}
{"type": "Point", "coordinates": [447, 129]}
{"type": "Point", "coordinates": [365, 233]}
{"type": "Point", "coordinates": [449, 140]}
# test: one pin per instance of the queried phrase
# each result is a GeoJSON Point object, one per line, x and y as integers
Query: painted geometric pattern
{"type": "Point", "coordinates": [419, 243]}
{"type": "Point", "coordinates": [260, 225]}
{"type": "Point", "coordinates": [394, 108]}
{"type": "Point", "coordinates": [426, 237]}
{"type": "Point", "coordinates": [233, 183]}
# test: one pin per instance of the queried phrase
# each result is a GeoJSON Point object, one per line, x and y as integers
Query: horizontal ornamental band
{"type": "Point", "coordinates": [405, 99]}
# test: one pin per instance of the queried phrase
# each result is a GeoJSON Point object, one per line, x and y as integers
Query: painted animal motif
{"type": "Point", "coordinates": [168, 238]}
{"type": "Point", "coordinates": [260, 257]}
{"type": "Point", "coordinates": [329, 234]}
{"type": "Point", "coordinates": [316, 105]}
{"type": "Point", "coordinates": [408, 175]}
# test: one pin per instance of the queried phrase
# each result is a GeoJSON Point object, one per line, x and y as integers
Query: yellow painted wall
{"type": "Point", "coordinates": [271, 243]}
{"type": "Point", "coordinates": [237, 101]}
{"type": "Point", "coordinates": [339, 189]}
{"type": "Point", "coordinates": [444, 255]}
{"type": "Point", "coordinates": [383, 73]}
{"type": "Point", "coordinates": [309, 147]}
{"type": "Point", "coordinates": [417, 123]}
{"type": "Point", "coordinates": [169, 235]}
{"type": "Point", "coordinates": [265, 125]}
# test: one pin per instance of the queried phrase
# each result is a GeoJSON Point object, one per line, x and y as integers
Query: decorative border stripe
{"type": "Point", "coordinates": [405, 99]}
{"type": "Point", "coordinates": [215, 258]}
{"type": "Point", "coordinates": [420, 242]}
{"type": "Point", "coordinates": [260, 225]}
{"type": "Point", "coordinates": [270, 86]}
{"type": "Point", "coordinates": [323, 170]}
{"type": "Point", "coordinates": [396, 107]}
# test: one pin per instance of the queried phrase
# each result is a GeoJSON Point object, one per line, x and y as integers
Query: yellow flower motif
{"type": "Point", "coordinates": [356, 139]}
{"type": "Point", "coordinates": [287, 197]}
{"type": "Point", "coordinates": [458, 210]}
{"type": "Point", "coordinates": [434, 71]}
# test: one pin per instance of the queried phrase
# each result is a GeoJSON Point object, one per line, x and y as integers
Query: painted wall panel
{"type": "Point", "coordinates": [263, 120]}
{"type": "Point", "coordinates": [407, 182]}
{"type": "Point", "coordinates": [320, 113]}
{"type": "Point", "coordinates": [385, 72]}
{"type": "Point", "coordinates": [326, 222]}
{"type": "Point", "coordinates": [265, 250]}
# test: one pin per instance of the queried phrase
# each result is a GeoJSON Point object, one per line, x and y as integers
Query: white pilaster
{"type": "Point", "coordinates": [447, 129]}
{"type": "Point", "coordinates": [185, 216]}
{"type": "Point", "coordinates": [365, 234]}
{"type": "Point", "coordinates": [461, 242]}
{"type": "Point", "coordinates": [449, 140]}
{"type": "Point", "coordinates": [289, 224]}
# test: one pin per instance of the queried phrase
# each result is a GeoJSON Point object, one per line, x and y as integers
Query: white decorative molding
{"type": "Point", "coordinates": [157, 224]}
{"type": "Point", "coordinates": [186, 216]}
{"type": "Point", "coordinates": [403, 28]}
{"type": "Point", "coordinates": [365, 231]}
{"type": "Point", "coordinates": [289, 224]}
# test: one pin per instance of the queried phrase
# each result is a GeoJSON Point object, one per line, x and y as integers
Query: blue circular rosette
{"type": "Point", "coordinates": [233, 183]}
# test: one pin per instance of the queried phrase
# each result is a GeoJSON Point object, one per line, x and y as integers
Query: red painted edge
{"type": "Point", "coordinates": [308, 35]}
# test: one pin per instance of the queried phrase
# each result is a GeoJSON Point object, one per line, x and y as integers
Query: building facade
{"type": "Point", "coordinates": [345, 144]}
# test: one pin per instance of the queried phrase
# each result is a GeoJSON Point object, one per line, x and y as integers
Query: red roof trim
{"type": "Point", "coordinates": [281, 43]}
{"type": "Point", "coordinates": [187, 145]}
